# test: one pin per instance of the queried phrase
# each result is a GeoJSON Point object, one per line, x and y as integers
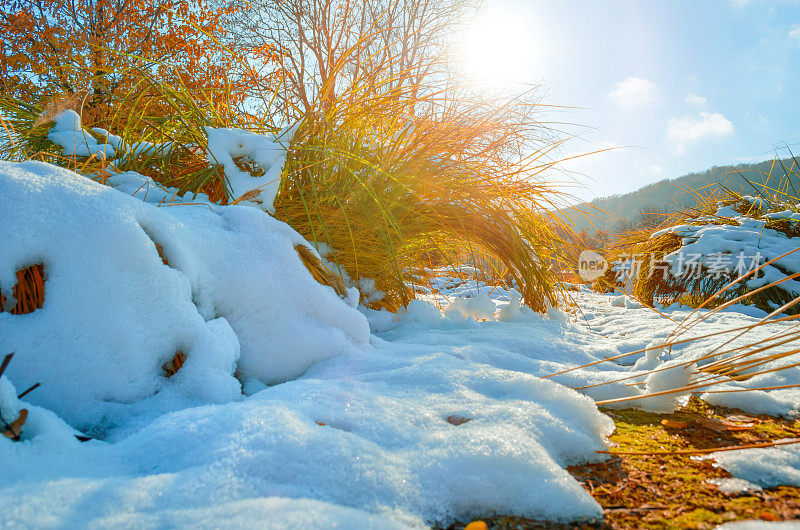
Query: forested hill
{"type": "Point", "coordinates": [669, 194]}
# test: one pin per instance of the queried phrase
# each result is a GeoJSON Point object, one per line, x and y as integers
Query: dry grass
{"type": "Point", "coordinates": [390, 176]}
{"type": "Point", "coordinates": [396, 185]}
{"type": "Point", "coordinates": [319, 271]}
{"type": "Point", "coordinates": [28, 292]}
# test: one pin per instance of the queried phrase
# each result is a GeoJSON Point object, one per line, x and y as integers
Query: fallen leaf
{"type": "Point", "coordinates": [673, 424]}
{"type": "Point", "coordinates": [476, 525]}
{"type": "Point", "coordinates": [458, 420]}
{"type": "Point", "coordinates": [721, 425]}
{"type": "Point", "coordinates": [649, 506]}
{"type": "Point", "coordinates": [319, 423]}
{"type": "Point", "coordinates": [741, 418]}
{"type": "Point", "coordinates": [15, 428]}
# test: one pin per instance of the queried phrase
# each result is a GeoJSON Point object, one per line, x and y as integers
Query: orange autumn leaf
{"type": "Point", "coordinates": [674, 424]}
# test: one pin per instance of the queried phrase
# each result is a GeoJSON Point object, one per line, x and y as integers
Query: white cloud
{"type": "Point", "coordinates": [634, 92]}
{"type": "Point", "coordinates": [690, 129]}
{"type": "Point", "coordinates": [794, 34]}
{"type": "Point", "coordinates": [693, 99]}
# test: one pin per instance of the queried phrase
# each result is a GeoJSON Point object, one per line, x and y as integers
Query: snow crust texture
{"type": "Point", "coordinates": [335, 427]}
{"type": "Point", "coordinates": [287, 412]}
{"type": "Point", "coordinates": [764, 467]}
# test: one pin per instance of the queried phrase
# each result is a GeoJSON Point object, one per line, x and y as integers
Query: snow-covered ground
{"type": "Point", "coordinates": [293, 408]}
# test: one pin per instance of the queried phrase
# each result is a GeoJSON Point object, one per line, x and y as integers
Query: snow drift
{"type": "Point", "coordinates": [231, 294]}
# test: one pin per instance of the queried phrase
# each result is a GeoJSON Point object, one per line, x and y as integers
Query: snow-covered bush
{"type": "Point", "coordinates": [689, 261]}
{"type": "Point", "coordinates": [132, 281]}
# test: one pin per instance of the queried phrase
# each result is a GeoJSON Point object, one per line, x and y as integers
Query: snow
{"type": "Point", "coordinates": [352, 427]}
{"type": "Point", "coordinates": [267, 152]}
{"type": "Point", "coordinates": [265, 512]}
{"type": "Point", "coordinates": [39, 422]}
{"type": "Point", "coordinates": [760, 525]}
{"type": "Point", "coordinates": [478, 307]}
{"type": "Point", "coordinates": [385, 448]}
{"type": "Point", "coordinates": [625, 301]}
{"type": "Point", "coordinates": [765, 467]}
{"type": "Point", "coordinates": [737, 248]}
{"type": "Point", "coordinates": [147, 190]}
{"type": "Point", "coordinates": [293, 408]}
{"type": "Point", "coordinates": [674, 374]}
{"type": "Point", "coordinates": [111, 301]}
{"type": "Point", "coordinates": [514, 311]}
{"type": "Point", "coordinates": [74, 140]}
{"type": "Point", "coordinates": [782, 402]}
{"type": "Point", "coordinates": [652, 357]}
{"type": "Point", "coordinates": [734, 485]}
{"type": "Point", "coordinates": [140, 148]}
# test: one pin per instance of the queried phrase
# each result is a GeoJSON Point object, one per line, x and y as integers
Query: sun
{"type": "Point", "coordinates": [497, 46]}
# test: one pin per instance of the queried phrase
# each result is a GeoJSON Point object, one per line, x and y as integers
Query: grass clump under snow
{"type": "Point", "coordinates": [729, 247]}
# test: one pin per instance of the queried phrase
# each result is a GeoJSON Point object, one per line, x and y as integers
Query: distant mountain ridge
{"type": "Point", "coordinates": [670, 194]}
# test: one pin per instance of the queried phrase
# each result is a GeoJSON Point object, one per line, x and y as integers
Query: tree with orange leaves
{"type": "Point", "coordinates": [89, 51]}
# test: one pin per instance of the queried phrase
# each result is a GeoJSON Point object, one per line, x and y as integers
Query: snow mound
{"type": "Point", "coordinates": [671, 376]}
{"type": "Point", "coordinates": [733, 485]}
{"type": "Point", "coordinates": [39, 421]}
{"type": "Point", "coordinates": [230, 293]}
{"type": "Point", "coordinates": [478, 307]}
{"type": "Point", "coordinates": [367, 434]}
{"type": "Point", "coordinates": [514, 311]}
{"type": "Point", "coordinates": [626, 302]}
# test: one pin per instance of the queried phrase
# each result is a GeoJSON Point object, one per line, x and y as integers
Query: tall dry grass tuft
{"type": "Point", "coordinates": [398, 166]}
{"type": "Point", "coordinates": [393, 193]}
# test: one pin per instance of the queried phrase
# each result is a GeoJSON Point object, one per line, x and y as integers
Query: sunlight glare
{"type": "Point", "coordinates": [497, 47]}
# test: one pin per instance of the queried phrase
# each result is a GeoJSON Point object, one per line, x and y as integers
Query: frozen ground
{"type": "Point", "coordinates": [347, 418]}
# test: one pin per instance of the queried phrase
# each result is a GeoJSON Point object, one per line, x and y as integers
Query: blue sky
{"type": "Point", "coordinates": [680, 86]}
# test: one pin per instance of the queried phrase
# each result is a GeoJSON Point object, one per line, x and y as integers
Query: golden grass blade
{"type": "Point", "coordinates": [776, 443]}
